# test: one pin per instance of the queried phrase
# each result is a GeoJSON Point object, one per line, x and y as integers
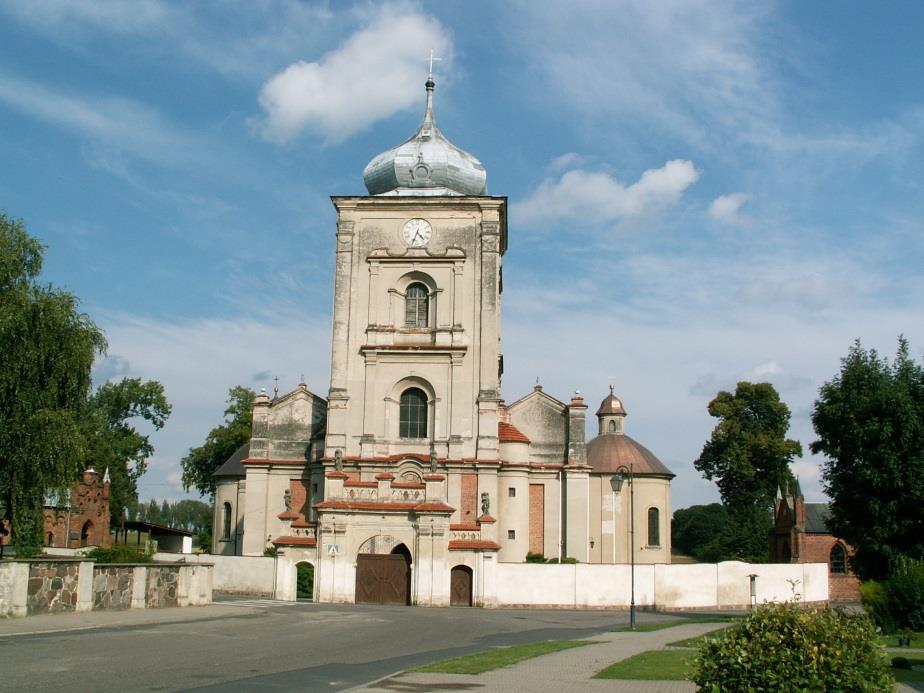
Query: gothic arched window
{"type": "Point", "coordinates": [654, 527]}
{"type": "Point", "coordinates": [412, 414]}
{"type": "Point", "coordinates": [838, 561]}
{"type": "Point", "coordinates": [416, 306]}
{"type": "Point", "coordinates": [226, 522]}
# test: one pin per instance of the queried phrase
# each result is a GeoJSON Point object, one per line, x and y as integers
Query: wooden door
{"type": "Point", "coordinates": [383, 579]}
{"type": "Point", "coordinates": [460, 586]}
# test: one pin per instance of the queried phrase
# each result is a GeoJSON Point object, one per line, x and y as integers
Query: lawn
{"type": "Point", "coordinates": [917, 640]}
{"type": "Point", "coordinates": [654, 665]}
{"type": "Point", "coordinates": [501, 657]}
{"type": "Point", "coordinates": [659, 625]}
{"type": "Point", "coordinates": [909, 675]}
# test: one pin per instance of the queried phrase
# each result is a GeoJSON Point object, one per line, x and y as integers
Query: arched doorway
{"type": "Point", "coordinates": [384, 578]}
{"type": "Point", "coordinates": [460, 586]}
{"type": "Point", "coordinates": [304, 581]}
{"type": "Point", "coordinates": [85, 533]}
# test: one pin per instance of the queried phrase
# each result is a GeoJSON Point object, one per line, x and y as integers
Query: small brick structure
{"type": "Point", "coordinates": [800, 535]}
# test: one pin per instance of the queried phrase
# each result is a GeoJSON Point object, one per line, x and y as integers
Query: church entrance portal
{"type": "Point", "coordinates": [460, 586]}
{"type": "Point", "coordinates": [384, 579]}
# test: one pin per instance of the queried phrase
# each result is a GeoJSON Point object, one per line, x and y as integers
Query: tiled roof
{"type": "Point", "coordinates": [508, 433]}
{"type": "Point", "coordinates": [233, 466]}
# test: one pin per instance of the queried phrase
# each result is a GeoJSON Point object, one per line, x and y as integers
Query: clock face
{"type": "Point", "coordinates": [417, 232]}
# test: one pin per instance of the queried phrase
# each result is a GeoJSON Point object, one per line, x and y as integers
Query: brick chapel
{"type": "Point", "coordinates": [413, 478]}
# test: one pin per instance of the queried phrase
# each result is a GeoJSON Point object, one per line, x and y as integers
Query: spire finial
{"type": "Point", "coordinates": [430, 73]}
{"type": "Point", "coordinates": [275, 387]}
{"type": "Point", "coordinates": [611, 388]}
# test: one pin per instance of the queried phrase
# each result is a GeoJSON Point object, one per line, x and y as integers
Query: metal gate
{"type": "Point", "coordinates": [460, 586]}
{"type": "Point", "coordinates": [383, 579]}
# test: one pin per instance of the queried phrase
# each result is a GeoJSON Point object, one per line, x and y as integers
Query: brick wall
{"type": "Point", "coordinates": [816, 548]}
{"type": "Point", "coordinates": [536, 518]}
{"type": "Point", "coordinates": [469, 509]}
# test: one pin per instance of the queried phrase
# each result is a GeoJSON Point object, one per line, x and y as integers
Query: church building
{"type": "Point", "coordinates": [413, 479]}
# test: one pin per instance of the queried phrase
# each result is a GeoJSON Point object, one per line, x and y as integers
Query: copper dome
{"type": "Point", "coordinates": [607, 452]}
{"type": "Point", "coordinates": [611, 405]}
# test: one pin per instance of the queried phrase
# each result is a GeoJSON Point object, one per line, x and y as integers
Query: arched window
{"type": "Point", "coordinates": [416, 306]}
{"type": "Point", "coordinates": [654, 527]}
{"type": "Point", "coordinates": [412, 415]}
{"type": "Point", "coordinates": [838, 561]}
{"type": "Point", "coordinates": [51, 539]}
{"type": "Point", "coordinates": [85, 533]}
{"type": "Point", "coordinates": [612, 425]}
{"type": "Point", "coordinates": [226, 522]}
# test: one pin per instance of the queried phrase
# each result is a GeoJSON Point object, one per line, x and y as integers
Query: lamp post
{"type": "Point", "coordinates": [625, 473]}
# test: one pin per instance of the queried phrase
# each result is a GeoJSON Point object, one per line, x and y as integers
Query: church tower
{"type": "Point", "coordinates": [416, 360]}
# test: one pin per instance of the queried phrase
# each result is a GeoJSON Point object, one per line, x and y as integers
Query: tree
{"type": "Point", "coordinates": [113, 443]}
{"type": "Point", "coordinates": [48, 347]}
{"type": "Point", "coordinates": [200, 463]}
{"type": "Point", "coordinates": [870, 425]}
{"type": "Point", "coordinates": [748, 456]}
{"type": "Point", "coordinates": [695, 531]}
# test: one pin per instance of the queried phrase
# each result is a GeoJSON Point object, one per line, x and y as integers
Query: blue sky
{"type": "Point", "coordinates": [700, 192]}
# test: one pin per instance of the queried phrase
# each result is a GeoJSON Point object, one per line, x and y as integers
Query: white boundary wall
{"type": "Point", "coordinates": [236, 574]}
{"type": "Point", "coordinates": [662, 586]}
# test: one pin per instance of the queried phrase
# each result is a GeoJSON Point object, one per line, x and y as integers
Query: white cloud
{"type": "Point", "coordinates": [567, 160]}
{"type": "Point", "coordinates": [727, 208]}
{"type": "Point", "coordinates": [598, 198]}
{"type": "Point", "coordinates": [373, 74]}
{"type": "Point", "coordinates": [123, 124]}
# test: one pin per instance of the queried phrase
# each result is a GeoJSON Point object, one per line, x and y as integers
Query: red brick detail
{"type": "Point", "coordinates": [508, 433]}
{"type": "Point", "coordinates": [337, 475]}
{"type": "Point", "coordinates": [359, 484]}
{"type": "Point", "coordinates": [474, 546]}
{"type": "Point", "coordinates": [537, 518]}
{"type": "Point", "coordinates": [385, 476]}
{"type": "Point", "coordinates": [486, 520]}
{"type": "Point", "coordinates": [408, 484]}
{"type": "Point", "coordinates": [465, 528]}
{"type": "Point", "coordinates": [385, 507]}
{"type": "Point", "coordinates": [302, 524]}
{"type": "Point", "coordinates": [295, 541]}
{"type": "Point", "coordinates": [288, 516]}
{"type": "Point", "coordinates": [89, 517]}
{"type": "Point", "coordinates": [469, 498]}
{"type": "Point", "coordinates": [434, 477]}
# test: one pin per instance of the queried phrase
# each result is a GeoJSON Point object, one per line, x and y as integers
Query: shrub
{"type": "Point", "coordinates": [535, 558]}
{"type": "Point", "coordinates": [783, 647]}
{"type": "Point", "coordinates": [904, 592]}
{"type": "Point", "coordinates": [119, 553]}
{"type": "Point", "coordinates": [876, 602]}
{"type": "Point", "coordinates": [900, 663]}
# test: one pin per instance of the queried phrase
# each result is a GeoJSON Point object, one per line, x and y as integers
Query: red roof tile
{"type": "Point", "coordinates": [474, 546]}
{"type": "Point", "coordinates": [508, 433]}
{"type": "Point", "coordinates": [295, 541]}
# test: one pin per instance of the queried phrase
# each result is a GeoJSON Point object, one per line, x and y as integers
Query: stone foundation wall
{"type": "Point", "coordinates": [53, 587]}
{"type": "Point", "coordinates": [41, 586]}
{"type": "Point", "coordinates": [112, 586]}
{"type": "Point", "coordinates": [161, 587]}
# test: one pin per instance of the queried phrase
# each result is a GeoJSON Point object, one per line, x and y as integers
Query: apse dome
{"type": "Point", "coordinates": [426, 164]}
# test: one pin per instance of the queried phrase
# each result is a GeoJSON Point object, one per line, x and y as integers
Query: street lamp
{"type": "Point", "coordinates": [625, 473]}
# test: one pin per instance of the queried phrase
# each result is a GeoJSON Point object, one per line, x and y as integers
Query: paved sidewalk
{"type": "Point", "coordinates": [569, 671]}
{"type": "Point", "coordinates": [561, 672]}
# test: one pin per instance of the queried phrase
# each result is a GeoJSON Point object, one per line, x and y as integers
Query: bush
{"type": "Point", "coordinates": [900, 663]}
{"type": "Point", "coordinates": [784, 647]}
{"type": "Point", "coordinates": [120, 553]}
{"type": "Point", "coordinates": [876, 602]}
{"type": "Point", "coordinates": [535, 558]}
{"type": "Point", "coordinates": [904, 592]}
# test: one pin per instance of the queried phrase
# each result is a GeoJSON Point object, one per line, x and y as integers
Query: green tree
{"type": "Point", "coordinates": [695, 531]}
{"type": "Point", "coordinates": [748, 456]}
{"type": "Point", "coordinates": [200, 463]}
{"type": "Point", "coordinates": [114, 443]}
{"type": "Point", "coordinates": [870, 425]}
{"type": "Point", "coordinates": [48, 347]}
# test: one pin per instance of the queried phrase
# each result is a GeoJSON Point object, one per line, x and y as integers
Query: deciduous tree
{"type": "Point", "coordinates": [47, 348]}
{"type": "Point", "coordinates": [870, 424]}
{"type": "Point", "coordinates": [200, 463]}
{"type": "Point", "coordinates": [748, 457]}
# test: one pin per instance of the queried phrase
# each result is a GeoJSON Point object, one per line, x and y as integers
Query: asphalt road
{"type": "Point", "coordinates": [266, 646]}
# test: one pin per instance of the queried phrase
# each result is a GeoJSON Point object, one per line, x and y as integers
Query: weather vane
{"type": "Point", "coordinates": [276, 387]}
{"type": "Point", "coordinates": [430, 74]}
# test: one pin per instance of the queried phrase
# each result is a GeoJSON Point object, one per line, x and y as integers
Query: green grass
{"type": "Point", "coordinates": [917, 640]}
{"type": "Point", "coordinates": [694, 643]}
{"type": "Point", "coordinates": [654, 665]}
{"type": "Point", "coordinates": [660, 625]}
{"type": "Point", "coordinates": [501, 657]}
{"type": "Point", "coordinates": [909, 675]}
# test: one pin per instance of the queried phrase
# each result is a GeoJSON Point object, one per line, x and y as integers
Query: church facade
{"type": "Point", "coordinates": [413, 479]}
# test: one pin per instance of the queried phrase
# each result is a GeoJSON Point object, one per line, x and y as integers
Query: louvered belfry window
{"type": "Point", "coordinates": [416, 306]}
{"type": "Point", "coordinates": [412, 416]}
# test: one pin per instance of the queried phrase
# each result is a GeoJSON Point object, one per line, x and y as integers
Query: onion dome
{"type": "Point", "coordinates": [426, 164]}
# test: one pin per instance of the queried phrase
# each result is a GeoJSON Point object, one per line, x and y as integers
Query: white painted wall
{"type": "Point", "coordinates": [688, 586]}
{"type": "Point", "coordinates": [240, 574]}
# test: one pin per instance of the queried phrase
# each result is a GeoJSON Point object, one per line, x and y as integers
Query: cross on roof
{"type": "Point", "coordinates": [430, 75]}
